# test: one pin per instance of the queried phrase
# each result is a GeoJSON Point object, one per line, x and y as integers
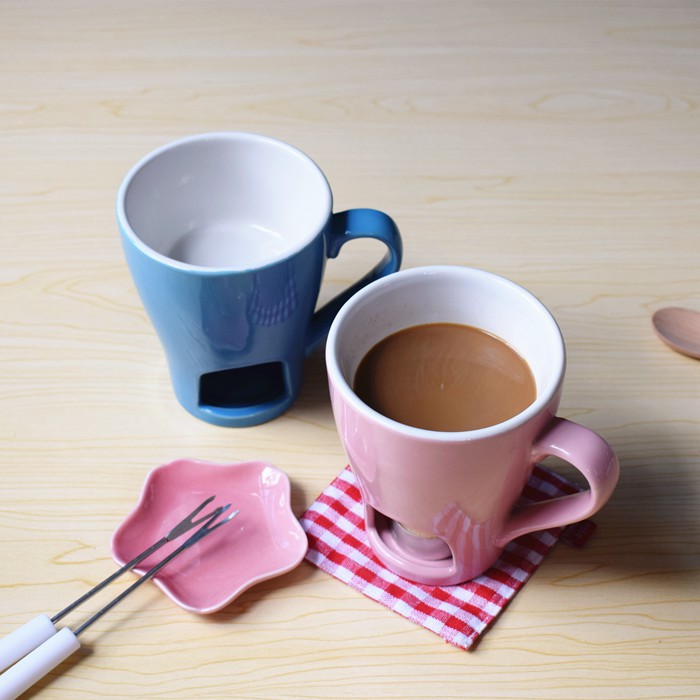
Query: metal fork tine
{"type": "Point", "coordinates": [203, 531]}
{"type": "Point", "coordinates": [178, 530]}
{"type": "Point", "coordinates": [189, 522]}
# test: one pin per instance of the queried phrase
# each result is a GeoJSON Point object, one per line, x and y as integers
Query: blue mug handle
{"type": "Point", "coordinates": [348, 226]}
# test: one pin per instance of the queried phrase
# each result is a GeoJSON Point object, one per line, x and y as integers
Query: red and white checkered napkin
{"type": "Point", "coordinates": [335, 527]}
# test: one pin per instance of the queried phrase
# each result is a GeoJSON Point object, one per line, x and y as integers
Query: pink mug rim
{"type": "Point", "coordinates": [544, 394]}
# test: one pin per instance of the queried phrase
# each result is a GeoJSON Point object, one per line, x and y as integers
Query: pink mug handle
{"type": "Point", "coordinates": [586, 451]}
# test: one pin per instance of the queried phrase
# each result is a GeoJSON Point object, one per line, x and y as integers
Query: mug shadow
{"type": "Point", "coordinates": [314, 399]}
{"type": "Point", "coordinates": [649, 527]}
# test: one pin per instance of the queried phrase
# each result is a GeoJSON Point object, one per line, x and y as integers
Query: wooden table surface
{"type": "Point", "coordinates": [555, 143]}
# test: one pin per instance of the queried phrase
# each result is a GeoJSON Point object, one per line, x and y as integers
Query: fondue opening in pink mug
{"type": "Point", "coordinates": [440, 505]}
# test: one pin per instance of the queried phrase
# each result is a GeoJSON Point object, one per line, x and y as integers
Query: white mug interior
{"type": "Point", "coordinates": [447, 294]}
{"type": "Point", "coordinates": [229, 200]}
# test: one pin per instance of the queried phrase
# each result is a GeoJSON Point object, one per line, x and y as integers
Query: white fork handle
{"type": "Point", "coordinates": [37, 664]}
{"type": "Point", "coordinates": [24, 639]}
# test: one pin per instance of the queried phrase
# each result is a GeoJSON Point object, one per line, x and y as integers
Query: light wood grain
{"type": "Point", "coordinates": [556, 143]}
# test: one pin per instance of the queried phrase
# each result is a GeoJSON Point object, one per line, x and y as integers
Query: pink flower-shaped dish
{"type": "Point", "coordinates": [264, 540]}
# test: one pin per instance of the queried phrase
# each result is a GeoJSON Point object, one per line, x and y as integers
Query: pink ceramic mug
{"type": "Point", "coordinates": [440, 506]}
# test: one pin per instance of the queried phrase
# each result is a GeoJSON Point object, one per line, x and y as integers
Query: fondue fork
{"type": "Point", "coordinates": [38, 630]}
{"type": "Point", "coordinates": [37, 647]}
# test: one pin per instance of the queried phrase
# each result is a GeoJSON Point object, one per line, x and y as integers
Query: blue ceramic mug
{"type": "Point", "coordinates": [226, 236]}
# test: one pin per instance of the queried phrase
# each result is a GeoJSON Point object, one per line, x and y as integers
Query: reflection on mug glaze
{"type": "Point", "coordinates": [224, 309]}
{"type": "Point", "coordinates": [229, 311]}
{"type": "Point", "coordinates": [471, 542]}
{"type": "Point", "coordinates": [274, 301]}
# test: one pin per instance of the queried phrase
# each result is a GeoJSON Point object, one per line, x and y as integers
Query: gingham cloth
{"type": "Point", "coordinates": [335, 528]}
